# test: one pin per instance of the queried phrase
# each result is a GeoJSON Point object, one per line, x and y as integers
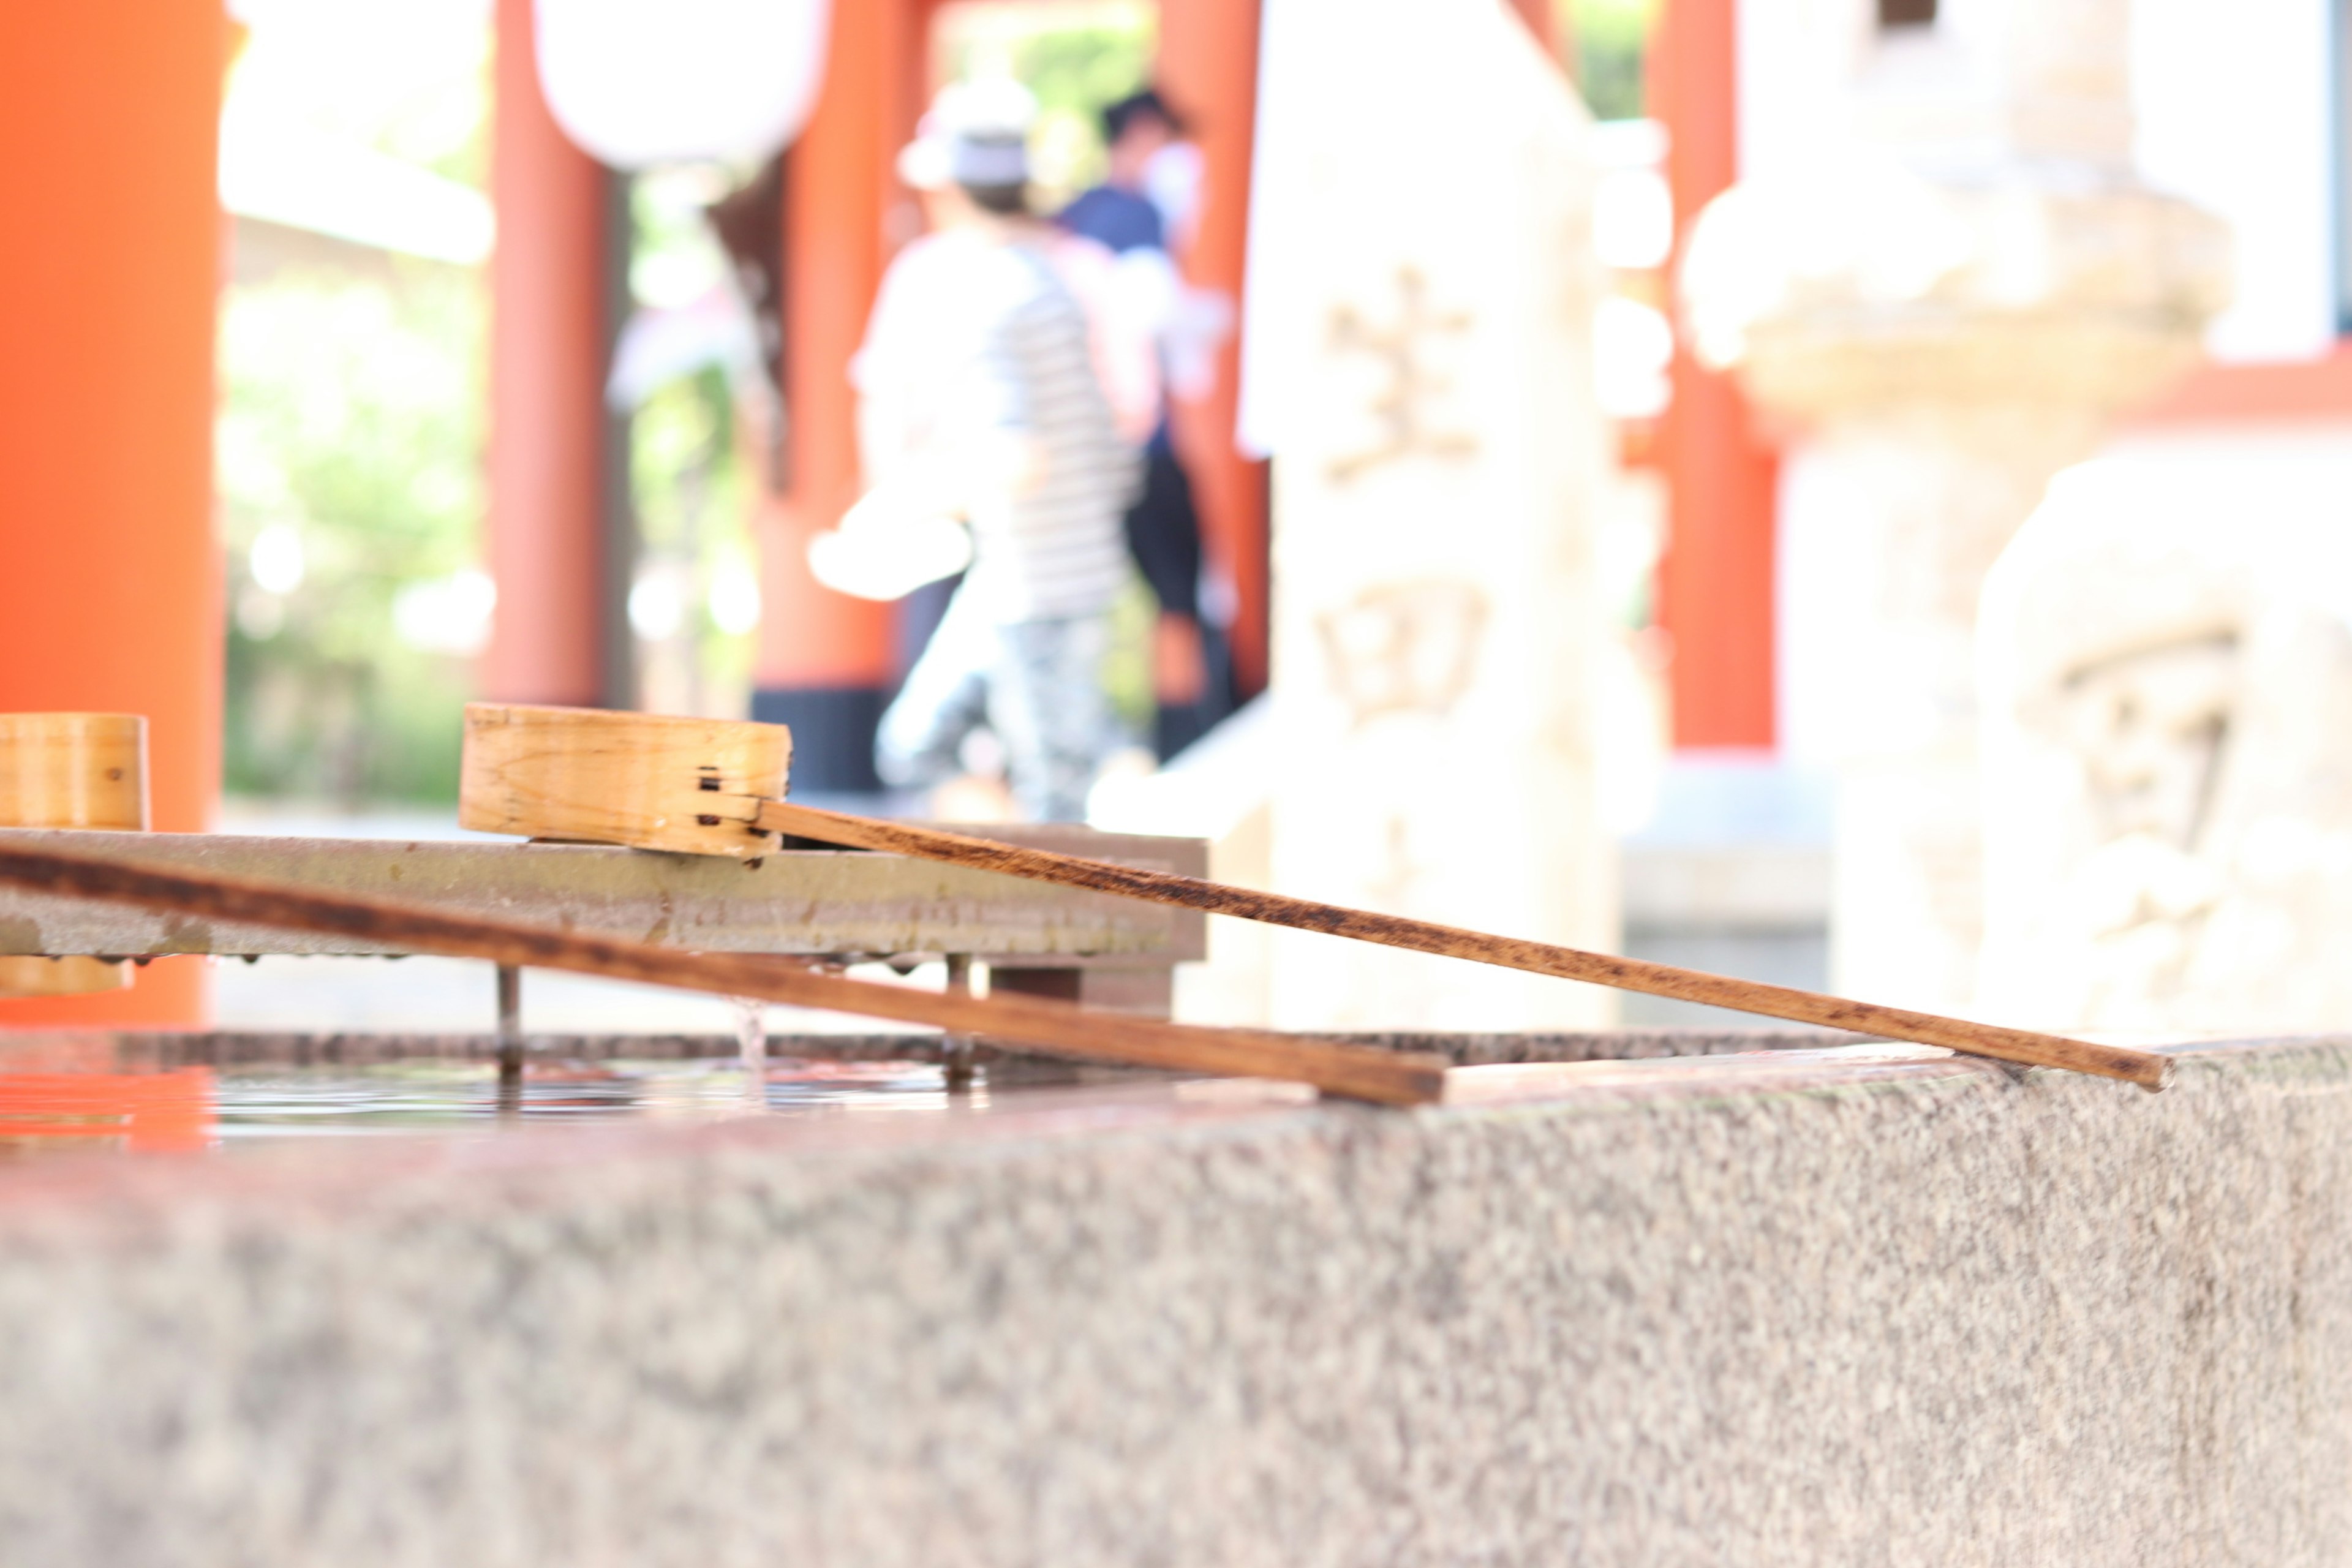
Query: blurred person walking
{"type": "Point", "coordinates": [978, 399]}
{"type": "Point", "coordinates": [1144, 139]}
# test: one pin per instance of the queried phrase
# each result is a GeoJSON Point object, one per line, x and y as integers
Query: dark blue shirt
{"type": "Point", "coordinates": [1118, 219]}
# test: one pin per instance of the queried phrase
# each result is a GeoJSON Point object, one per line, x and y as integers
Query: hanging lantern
{"type": "Point", "coordinates": [640, 82]}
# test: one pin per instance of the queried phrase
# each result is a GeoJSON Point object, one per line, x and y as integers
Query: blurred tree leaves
{"type": "Point", "coordinates": [350, 412]}
{"type": "Point", "coordinates": [1611, 41]}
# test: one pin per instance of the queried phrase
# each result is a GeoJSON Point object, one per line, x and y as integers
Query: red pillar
{"type": "Point", "coordinates": [1715, 584]}
{"type": "Point", "coordinates": [109, 575]}
{"type": "Point", "coordinates": [1543, 23]}
{"type": "Point", "coordinates": [548, 335]}
{"type": "Point", "coordinates": [1208, 68]}
{"type": "Point", "coordinates": [825, 660]}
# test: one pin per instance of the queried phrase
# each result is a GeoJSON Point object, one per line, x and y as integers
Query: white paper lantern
{"type": "Point", "coordinates": [640, 82]}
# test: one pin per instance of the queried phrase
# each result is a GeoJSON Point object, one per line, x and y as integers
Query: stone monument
{"type": "Point", "coordinates": [1420, 310]}
{"type": "Point", "coordinates": [1945, 286]}
{"type": "Point", "coordinates": [2168, 743]}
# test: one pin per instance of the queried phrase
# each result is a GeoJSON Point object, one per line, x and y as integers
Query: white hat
{"type": "Point", "coordinates": [976, 134]}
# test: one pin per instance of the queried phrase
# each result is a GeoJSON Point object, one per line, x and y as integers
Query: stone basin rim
{"type": "Point", "coordinates": [511, 1165]}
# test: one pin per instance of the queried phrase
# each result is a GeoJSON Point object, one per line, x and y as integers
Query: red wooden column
{"type": "Point", "coordinates": [109, 575]}
{"type": "Point", "coordinates": [548, 325]}
{"type": "Point", "coordinates": [824, 662]}
{"type": "Point", "coordinates": [1543, 24]}
{"type": "Point", "coordinates": [1208, 68]}
{"type": "Point", "coordinates": [1715, 584]}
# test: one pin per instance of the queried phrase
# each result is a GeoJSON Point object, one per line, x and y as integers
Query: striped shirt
{"type": "Point", "coordinates": [974, 336]}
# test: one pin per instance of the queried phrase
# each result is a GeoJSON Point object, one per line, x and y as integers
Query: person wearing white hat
{"type": "Point", "coordinates": [979, 400]}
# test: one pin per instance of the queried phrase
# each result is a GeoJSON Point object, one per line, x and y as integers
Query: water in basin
{"type": "Point", "coordinates": [225, 1108]}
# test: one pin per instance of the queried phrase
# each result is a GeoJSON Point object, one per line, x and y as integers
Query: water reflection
{"type": "Point", "coordinates": [149, 1111]}
{"type": "Point", "coordinates": [405, 1096]}
{"type": "Point", "coordinates": [236, 1106]}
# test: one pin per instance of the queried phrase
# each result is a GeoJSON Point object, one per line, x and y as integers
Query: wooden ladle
{"type": "Point", "coordinates": [715, 787]}
{"type": "Point", "coordinates": [71, 769]}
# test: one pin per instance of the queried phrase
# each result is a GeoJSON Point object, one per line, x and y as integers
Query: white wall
{"type": "Point", "coordinates": [2234, 103]}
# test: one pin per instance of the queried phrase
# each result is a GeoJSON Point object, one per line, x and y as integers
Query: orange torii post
{"type": "Point", "coordinates": [551, 308]}
{"type": "Point", "coordinates": [1715, 580]}
{"type": "Point", "coordinates": [1208, 67]}
{"type": "Point", "coordinates": [109, 577]}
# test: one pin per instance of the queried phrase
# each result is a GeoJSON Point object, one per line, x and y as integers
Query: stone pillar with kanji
{"type": "Point", "coordinates": [1419, 327]}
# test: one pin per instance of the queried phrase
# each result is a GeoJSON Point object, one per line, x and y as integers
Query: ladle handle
{"type": "Point", "coordinates": [2146, 1069]}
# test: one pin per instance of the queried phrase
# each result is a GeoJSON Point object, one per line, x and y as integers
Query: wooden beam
{"type": "Point", "coordinates": [1355, 1072]}
{"type": "Point", "coordinates": [812, 903]}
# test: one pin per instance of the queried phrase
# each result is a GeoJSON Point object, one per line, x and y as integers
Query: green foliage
{"type": "Point", "coordinates": [691, 492]}
{"type": "Point", "coordinates": [350, 415]}
{"type": "Point", "coordinates": [682, 459]}
{"type": "Point", "coordinates": [1611, 47]}
{"type": "Point", "coordinates": [1077, 71]}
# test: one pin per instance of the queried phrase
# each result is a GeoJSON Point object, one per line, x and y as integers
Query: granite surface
{"type": "Point", "coordinates": [1802, 1309]}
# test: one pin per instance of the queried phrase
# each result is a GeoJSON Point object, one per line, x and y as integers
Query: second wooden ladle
{"type": "Point", "coordinates": [715, 787]}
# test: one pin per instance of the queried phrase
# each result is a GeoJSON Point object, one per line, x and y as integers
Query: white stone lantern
{"type": "Point", "coordinates": [1948, 284]}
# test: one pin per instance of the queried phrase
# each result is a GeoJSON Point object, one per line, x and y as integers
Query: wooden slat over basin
{"type": "Point", "coordinates": [819, 902]}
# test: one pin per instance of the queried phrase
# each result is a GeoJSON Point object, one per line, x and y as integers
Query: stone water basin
{"type": "Point", "coordinates": [1674, 1301]}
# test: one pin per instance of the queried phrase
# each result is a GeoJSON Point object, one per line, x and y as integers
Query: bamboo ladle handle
{"type": "Point", "coordinates": [2146, 1069]}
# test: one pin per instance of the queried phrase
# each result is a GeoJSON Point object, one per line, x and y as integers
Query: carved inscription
{"type": "Point", "coordinates": [2150, 730]}
{"type": "Point", "coordinates": [1405, 647]}
{"type": "Point", "coordinates": [1401, 410]}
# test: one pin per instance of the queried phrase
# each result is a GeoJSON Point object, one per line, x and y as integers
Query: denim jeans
{"type": "Point", "coordinates": [1037, 684]}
